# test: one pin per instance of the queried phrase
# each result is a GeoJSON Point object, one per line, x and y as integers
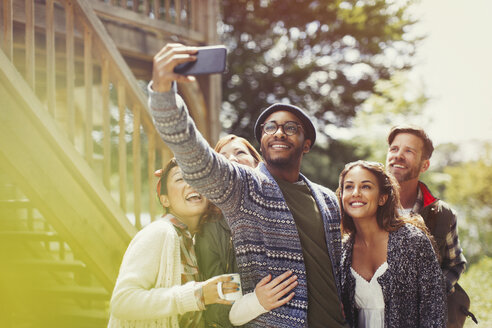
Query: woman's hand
{"type": "Point", "coordinates": [164, 62]}
{"type": "Point", "coordinates": [210, 293]}
{"type": "Point", "coordinates": [270, 292]}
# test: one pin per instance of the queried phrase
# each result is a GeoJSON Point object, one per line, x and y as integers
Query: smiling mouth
{"type": "Point", "coordinates": [277, 146]}
{"type": "Point", "coordinates": [357, 204]}
{"type": "Point", "coordinates": [398, 166]}
{"type": "Point", "coordinates": [194, 197]}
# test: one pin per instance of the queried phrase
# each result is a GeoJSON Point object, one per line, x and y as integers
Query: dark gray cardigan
{"type": "Point", "coordinates": [413, 285]}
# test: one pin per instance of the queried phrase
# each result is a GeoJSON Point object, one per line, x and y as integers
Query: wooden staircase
{"type": "Point", "coordinates": [43, 283]}
{"type": "Point", "coordinates": [78, 148]}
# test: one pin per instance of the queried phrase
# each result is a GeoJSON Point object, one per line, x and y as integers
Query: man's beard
{"type": "Point", "coordinates": [410, 175]}
{"type": "Point", "coordinates": [282, 162]}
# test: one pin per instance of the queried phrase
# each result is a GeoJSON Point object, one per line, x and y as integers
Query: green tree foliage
{"type": "Point", "coordinates": [469, 189]}
{"type": "Point", "coordinates": [445, 155]}
{"type": "Point", "coordinates": [324, 56]}
{"type": "Point", "coordinates": [395, 101]}
{"type": "Point", "coordinates": [324, 165]}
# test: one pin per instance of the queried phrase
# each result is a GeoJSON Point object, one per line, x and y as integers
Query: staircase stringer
{"type": "Point", "coordinates": [58, 180]}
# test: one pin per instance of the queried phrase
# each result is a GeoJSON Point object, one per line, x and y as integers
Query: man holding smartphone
{"type": "Point", "coordinates": [279, 219]}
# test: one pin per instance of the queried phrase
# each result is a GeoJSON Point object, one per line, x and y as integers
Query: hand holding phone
{"type": "Point", "coordinates": [209, 60]}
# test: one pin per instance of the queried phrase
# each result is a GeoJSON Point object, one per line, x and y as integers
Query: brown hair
{"type": "Point", "coordinates": [229, 138]}
{"type": "Point", "coordinates": [387, 216]}
{"type": "Point", "coordinates": [163, 174]}
{"type": "Point", "coordinates": [211, 211]}
{"type": "Point", "coordinates": [416, 131]}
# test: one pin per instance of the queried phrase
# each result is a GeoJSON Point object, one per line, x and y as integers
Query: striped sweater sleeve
{"type": "Point", "coordinates": [205, 170]}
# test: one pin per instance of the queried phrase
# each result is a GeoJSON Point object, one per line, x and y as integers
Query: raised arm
{"type": "Point", "coordinates": [211, 174]}
{"type": "Point", "coordinates": [163, 66]}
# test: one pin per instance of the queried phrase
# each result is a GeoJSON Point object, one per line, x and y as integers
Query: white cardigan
{"type": "Point", "coordinates": [148, 291]}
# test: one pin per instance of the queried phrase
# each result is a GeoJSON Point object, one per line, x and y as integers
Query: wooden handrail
{"type": "Point", "coordinates": [50, 56]}
{"type": "Point", "coordinates": [70, 67]}
{"type": "Point", "coordinates": [30, 43]}
{"type": "Point", "coordinates": [53, 175]}
{"type": "Point", "coordinates": [173, 12]}
{"type": "Point", "coordinates": [192, 33]}
{"type": "Point", "coordinates": [78, 115]}
{"type": "Point", "coordinates": [129, 100]}
{"type": "Point", "coordinates": [8, 37]}
{"type": "Point", "coordinates": [76, 70]}
{"type": "Point", "coordinates": [90, 91]}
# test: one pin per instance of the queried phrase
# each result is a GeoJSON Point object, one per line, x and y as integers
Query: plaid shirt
{"type": "Point", "coordinates": [453, 263]}
{"type": "Point", "coordinates": [189, 272]}
{"type": "Point", "coordinates": [419, 202]}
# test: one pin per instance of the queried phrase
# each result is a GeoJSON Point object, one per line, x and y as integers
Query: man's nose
{"type": "Point", "coordinates": [399, 154]}
{"type": "Point", "coordinates": [395, 154]}
{"type": "Point", "coordinates": [280, 132]}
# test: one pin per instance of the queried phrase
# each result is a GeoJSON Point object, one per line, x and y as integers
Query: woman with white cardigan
{"type": "Point", "coordinates": [158, 285]}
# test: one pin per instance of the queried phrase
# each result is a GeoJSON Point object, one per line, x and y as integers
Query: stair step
{"type": "Point", "coordinates": [15, 203]}
{"type": "Point", "coordinates": [71, 317]}
{"type": "Point", "coordinates": [29, 235]}
{"type": "Point", "coordinates": [76, 292]}
{"type": "Point", "coordinates": [50, 265]}
{"type": "Point", "coordinates": [84, 317]}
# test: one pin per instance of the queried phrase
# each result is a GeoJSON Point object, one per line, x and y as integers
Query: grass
{"type": "Point", "coordinates": [476, 281]}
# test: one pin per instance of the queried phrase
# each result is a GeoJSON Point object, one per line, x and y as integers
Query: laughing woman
{"type": "Point", "coordinates": [390, 273]}
{"type": "Point", "coordinates": [158, 283]}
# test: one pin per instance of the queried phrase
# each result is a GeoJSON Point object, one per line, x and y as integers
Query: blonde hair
{"type": "Point", "coordinates": [230, 137]}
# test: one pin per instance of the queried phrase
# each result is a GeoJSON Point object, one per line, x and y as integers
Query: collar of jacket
{"type": "Point", "coordinates": [224, 225]}
{"type": "Point", "coordinates": [428, 197]}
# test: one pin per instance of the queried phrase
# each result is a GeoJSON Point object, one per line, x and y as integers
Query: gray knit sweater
{"type": "Point", "coordinates": [413, 285]}
{"type": "Point", "coordinates": [263, 229]}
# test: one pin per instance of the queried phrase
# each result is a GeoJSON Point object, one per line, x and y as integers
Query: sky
{"type": "Point", "coordinates": [455, 64]}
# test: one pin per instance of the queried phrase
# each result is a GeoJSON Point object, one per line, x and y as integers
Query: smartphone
{"type": "Point", "coordinates": [209, 60]}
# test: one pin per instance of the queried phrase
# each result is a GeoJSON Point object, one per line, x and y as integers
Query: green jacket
{"type": "Point", "coordinates": [215, 255]}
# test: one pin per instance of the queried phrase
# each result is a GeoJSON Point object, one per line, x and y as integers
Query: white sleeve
{"type": "Point", "coordinates": [246, 309]}
{"type": "Point", "coordinates": [135, 296]}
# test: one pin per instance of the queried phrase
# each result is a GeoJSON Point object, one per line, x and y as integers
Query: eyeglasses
{"type": "Point", "coordinates": [290, 128]}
